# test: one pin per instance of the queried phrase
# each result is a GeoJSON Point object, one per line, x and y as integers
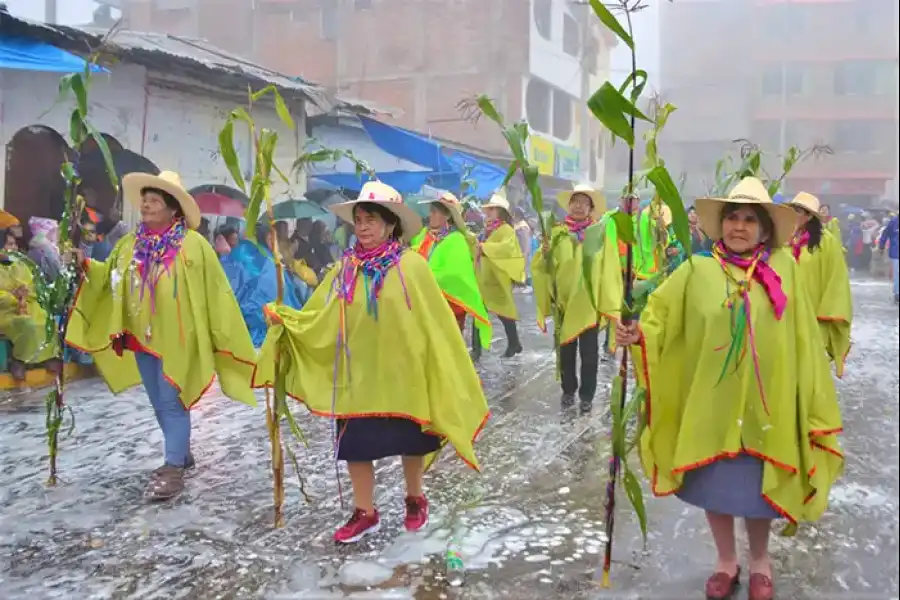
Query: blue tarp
{"type": "Point", "coordinates": [405, 182]}
{"type": "Point", "coordinates": [251, 273]}
{"type": "Point", "coordinates": [447, 166]}
{"type": "Point", "coordinates": [29, 55]}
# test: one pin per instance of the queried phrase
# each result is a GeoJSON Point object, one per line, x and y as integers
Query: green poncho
{"type": "Point", "coordinates": [694, 418]}
{"type": "Point", "coordinates": [571, 290]}
{"type": "Point", "coordinates": [195, 328]}
{"type": "Point", "coordinates": [450, 259]}
{"type": "Point", "coordinates": [827, 281]}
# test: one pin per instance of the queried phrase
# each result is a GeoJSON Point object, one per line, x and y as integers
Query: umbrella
{"type": "Point", "coordinates": [302, 209]}
{"type": "Point", "coordinates": [211, 203]}
{"type": "Point", "coordinates": [221, 190]}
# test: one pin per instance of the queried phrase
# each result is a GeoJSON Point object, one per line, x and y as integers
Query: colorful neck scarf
{"type": "Point", "coordinates": [577, 228]}
{"type": "Point", "coordinates": [798, 243]}
{"type": "Point", "coordinates": [373, 265]}
{"type": "Point", "coordinates": [738, 301]}
{"type": "Point", "coordinates": [432, 238]}
{"type": "Point", "coordinates": [489, 228]}
{"type": "Point", "coordinates": [154, 253]}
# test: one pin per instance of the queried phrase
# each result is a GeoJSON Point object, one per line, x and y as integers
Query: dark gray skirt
{"type": "Point", "coordinates": [364, 439]}
{"type": "Point", "coordinates": [729, 486]}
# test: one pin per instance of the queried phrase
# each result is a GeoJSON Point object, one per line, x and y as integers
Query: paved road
{"type": "Point", "coordinates": [529, 527]}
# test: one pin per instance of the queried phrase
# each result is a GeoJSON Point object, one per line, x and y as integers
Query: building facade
{"type": "Point", "coordinates": [783, 73]}
{"type": "Point", "coordinates": [537, 58]}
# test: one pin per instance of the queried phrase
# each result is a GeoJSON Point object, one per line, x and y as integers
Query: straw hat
{"type": "Point", "coordinates": [596, 196]}
{"type": "Point", "coordinates": [749, 190]}
{"type": "Point", "coordinates": [451, 203]}
{"type": "Point", "coordinates": [167, 181]}
{"type": "Point", "coordinates": [498, 200]}
{"type": "Point", "coordinates": [807, 202]}
{"type": "Point", "coordinates": [383, 194]}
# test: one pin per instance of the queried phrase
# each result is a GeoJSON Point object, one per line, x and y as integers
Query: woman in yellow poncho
{"type": "Point", "coordinates": [446, 245]}
{"type": "Point", "coordinates": [499, 263]}
{"type": "Point", "coordinates": [580, 316]}
{"type": "Point", "coordinates": [22, 320]}
{"type": "Point", "coordinates": [831, 223]}
{"type": "Point", "coordinates": [377, 349]}
{"type": "Point", "coordinates": [825, 275]}
{"type": "Point", "coordinates": [741, 411]}
{"type": "Point", "coordinates": [160, 311]}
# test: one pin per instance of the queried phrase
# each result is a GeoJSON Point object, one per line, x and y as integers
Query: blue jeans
{"type": "Point", "coordinates": [173, 418]}
{"type": "Point", "coordinates": [896, 264]}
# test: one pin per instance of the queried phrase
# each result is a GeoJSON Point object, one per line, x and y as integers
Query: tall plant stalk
{"type": "Point", "coordinates": [57, 296]}
{"type": "Point", "coordinates": [752, 164]}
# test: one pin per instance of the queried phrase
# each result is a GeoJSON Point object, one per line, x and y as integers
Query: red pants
{"type": "Point", "coordinates": [460, 315]}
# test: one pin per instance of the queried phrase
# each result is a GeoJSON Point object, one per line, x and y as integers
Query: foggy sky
{"type": "Point", "coordinates": [71, 12]}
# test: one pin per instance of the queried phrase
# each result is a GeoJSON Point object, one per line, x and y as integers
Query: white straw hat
{"type": "Point", "coordinates": [167, 181]}
{"type": "Point", "coordinates": [383, 194]}
{"type": "Point", "coordinates": [749, 190]}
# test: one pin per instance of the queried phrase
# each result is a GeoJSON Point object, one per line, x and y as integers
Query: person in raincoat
{"type": "Point", "coordinates": [830, 222]}
{"type": "Point", "coordinates": [446, 246]}
{"type": "Point", "coordinates": [42, 248]}
{"type": "Point", "coordinates": [741, 411]}
{"type": "Point", "coordinates": [377, 349]}
{"type": "Point", "coordinates": [160, 312]}
{"type": "Point", "coordinates": [820, 257]}
{"type": "Point", "coordinates": [499, 264]}
{"type": "Point", "coordinates": [582, 310]}
{"type": "Point", "coordinates": [22, 320]}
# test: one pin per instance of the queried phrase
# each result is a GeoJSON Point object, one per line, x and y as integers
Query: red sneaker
{"type": "Point", "coordinates": [360, 525]}
{"type": "Point", "coordinates": [416, 513]}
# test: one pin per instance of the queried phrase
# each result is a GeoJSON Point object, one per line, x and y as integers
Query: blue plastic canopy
{"type": "Point", "coordinates": [447, 166]}
{"type": "Point", "coordinates": [30, 55]}
{"type": "Point", "coordinates": [405, 182]}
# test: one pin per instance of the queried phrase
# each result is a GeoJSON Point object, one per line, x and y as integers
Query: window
{"type": "Point", "coordinates": [543, 17]}
{"type": "Point", "coordinates": [571, 36]}
{"type": "Point", "coordinates": [865, 78]}
{"type": "Point", "coordinates": [362, 4]}
{"type": "Point", "coordinates": [538, 97]}
{"type": "Point", "coordinates": [784, 20]}
{"type": "Point", "coordinates": [329, 21]}
{"type": "Point", "coordinates": [856, 136]}
{"type": "Point", "coordinates": [562, 115]}
{"type": "Point", "coordinates": [788, 80]}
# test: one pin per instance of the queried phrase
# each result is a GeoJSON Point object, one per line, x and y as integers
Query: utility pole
{"type": "Point", "coordinates": [50, 14]}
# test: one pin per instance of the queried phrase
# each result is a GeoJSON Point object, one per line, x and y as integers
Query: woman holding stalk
{"type": "Point", "coordinates": [160, 311]}
{"type": "Point", "coordinates": [820, 257]}
{"type": "Point", "coordinates": [444, 243]}
{"type": "Point", "coordinates": [377, 349]}
{"type": "Point", "coordinates": [582, 310]}
{"type": "Point", "coordinates": [754, 438]}
{"type": "Point", "coordinates": [499, 263]}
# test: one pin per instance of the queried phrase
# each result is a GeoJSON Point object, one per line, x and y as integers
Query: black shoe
{"type": "Point", "coordinates": [512, 351]}
{"type": "Point", "coordinates": [586, 405]}
{"type": "Point", "coordinates": [567, 400]}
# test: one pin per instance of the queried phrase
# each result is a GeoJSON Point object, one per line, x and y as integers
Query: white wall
{"type": "Point", "coordinates": [177, 130]}
{"type": "Point", "coordinates": [546, 58]}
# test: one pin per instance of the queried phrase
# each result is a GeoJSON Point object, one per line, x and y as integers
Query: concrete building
{"type": "Point", "coordinates": [537, 58]}
{"type": "Point", "coordinates": [783, 73]}
{"type": "Point", "coordinates": [165, 98]}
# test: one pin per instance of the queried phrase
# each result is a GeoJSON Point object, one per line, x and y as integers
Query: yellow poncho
{"type": "Point", "coordinates": [571, 289]}
{"type": "Point", "coordinates": [26, 332]}
{"type": "Point", "coordinates": [827, 282]}
{"type": "Point", "coordinates": [499, 263]}
{"type": "Point", "coordinates": [693, 418]}
{"type": "Point", "coordinates": [410, 362]}
{"type": "Point", "coordinates": [196, 328]}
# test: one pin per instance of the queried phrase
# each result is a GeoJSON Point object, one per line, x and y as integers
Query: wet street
{"type": "Point", "coordinates": [531, 526]}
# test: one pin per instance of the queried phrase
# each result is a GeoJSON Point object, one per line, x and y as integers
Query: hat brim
{"type": "Point", "coordinates": [410, 221]}
{"type": "Point", "coordinates": [598, 199]}
{"type": "Point", "coordinates": [709, 213]}
{"type": "Point", "coordinates": [812, 212]}
{"type": "Point", "coordinates": [133, 183]}
{"type": "Point", "coordinates": [455, 213]}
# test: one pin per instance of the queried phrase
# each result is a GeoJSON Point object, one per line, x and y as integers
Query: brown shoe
{"type": "Point", "coordinates": [166, 482]}
{"type": "Point", "coordinates": [722, 586]}
{"type": "Point", "coordinates": [760, 587]}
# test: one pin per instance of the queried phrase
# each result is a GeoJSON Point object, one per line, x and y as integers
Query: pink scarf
{"type": "Point", "coordinates": [760, 271]}
{"type": "Point", "coordinates": [577, 228]}
{"type": "Point", "coordinates": [799, 242]}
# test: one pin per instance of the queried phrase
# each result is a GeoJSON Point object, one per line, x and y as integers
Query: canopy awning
{"type": "Point", "coordinates": [448, 167]}
{"type": "Point", "coordinates": [405, 182]}
{"type": "Point", "coordinates": [30, 55]}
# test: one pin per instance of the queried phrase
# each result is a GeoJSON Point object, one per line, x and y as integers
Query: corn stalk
{"type": "Point", "coordinates": [57, 296]}
{"type": "Point", "coordinates": [752, 160]}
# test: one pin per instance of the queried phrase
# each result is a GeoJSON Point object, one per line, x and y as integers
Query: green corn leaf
{"type": "Point", "coordinates": [266, 152]}
{"type": "Point", "coordinates": [637, 81]}
{"type": "Point", "coordinates": [77, 130]}
{"type": "Point", "coordinates": [668, 193]}
{"type": "Point", "coordinates": [284, 113]}
{"type": "Point", "coordinates": [594, 239]}
{"type": "Point", "coordinates": [65, 86]}
{"type": "Point", "coordinates": [510, 173]}
{"type": "Point", "coordinates": [613, 109]}
{"type": "Point", "coordinates": [251, 215]}
{"type": "Point", "coordinates": [612, 23]}
{"type": "Point", "coordinates": [624, 227]}
{"type": "Point", "coordinates": [229, 155]}
{"type": "Point", "coordinates": [513, 138]}
{"type": "Point", "coordinates": [79, 90]}
{"type": "Point", "coordinates": [487, 108]}
{"type": "Point", "coordinates": [105, 153]}
{"type": "Point", "coordinates": [635, 497]}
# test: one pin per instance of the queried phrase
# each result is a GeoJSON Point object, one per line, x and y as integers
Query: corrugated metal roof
{"type": "Point", "coordinates": [184, 56]}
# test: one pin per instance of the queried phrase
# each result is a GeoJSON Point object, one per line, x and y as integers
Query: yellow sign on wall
{"type": "Point", "coordinates": [541, 153]}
